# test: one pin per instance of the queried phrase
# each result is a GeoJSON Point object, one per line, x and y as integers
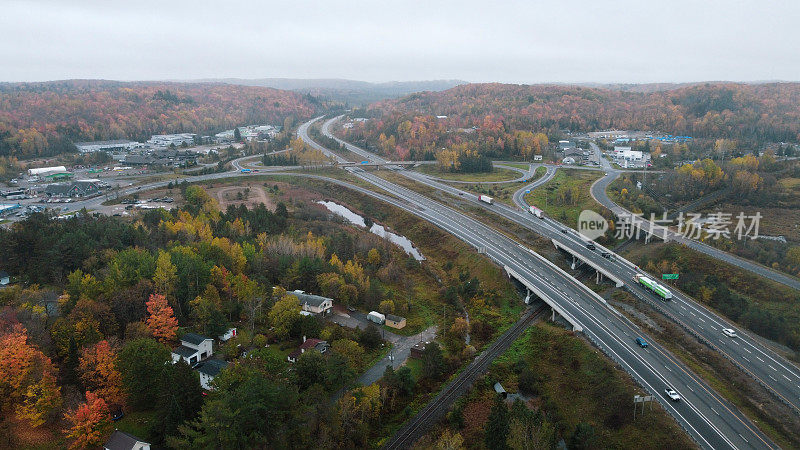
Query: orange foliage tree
{"type": "Point", "coordinates": [161, 322]}
{"type": "Point", "coordinates": [90, 422]}
{"type": "Point", "coordinates": [99, 373]}
{"type": "Point", "coordinates": [27, 377]}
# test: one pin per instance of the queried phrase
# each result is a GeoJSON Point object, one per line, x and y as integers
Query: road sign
{"type": "Point", "coordinates": [669, 276]}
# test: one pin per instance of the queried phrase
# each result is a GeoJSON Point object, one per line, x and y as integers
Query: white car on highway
{"type": "Point", "coordinates": [730, 332]}
{"type": "Point", "coordinates": [672, 394]}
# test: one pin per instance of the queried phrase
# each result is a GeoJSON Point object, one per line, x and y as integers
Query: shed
{"type": "Point", "coordinates": [500, 391]}
{"type": "Point", "coordinates": [395, 321]}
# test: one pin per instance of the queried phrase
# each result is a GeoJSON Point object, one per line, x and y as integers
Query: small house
{"type": "Point", "coordinates": [194, 348]}
{"type": "Point", "coordinates": [120, 440]}
{"type": "Point", "coordinates": [395, 321]}
{"type": "Point", "coordinates": [314, 304]}
{"type": "Point", "coordinates": [308, 344]}
{"type": "Point", "coordinates": [209, 370]}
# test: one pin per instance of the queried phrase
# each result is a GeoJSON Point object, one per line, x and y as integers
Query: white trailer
{"type": "Point", "coordinates": [375, 316]}
{"type": "Point", "coordinates": [536, 212]}
{"type": "Point", "coordinates": [486, 199]}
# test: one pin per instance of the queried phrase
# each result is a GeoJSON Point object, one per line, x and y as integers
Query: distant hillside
{"type": "Point", "coordinates": [41, 119]}
{"type": "Point", "coordinates": [502, 120]}
{"type": "Point", "coordinates": [757, 112]}
{"type": "Point", "coordinates": [350, 91]}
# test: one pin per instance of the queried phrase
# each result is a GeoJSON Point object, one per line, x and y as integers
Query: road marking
{"type": "Point", "coordinates": [745, 358]}
{"type": "Point", "coordinates": [772, 377]}
{"type": "Point", "coordinates": [748, 351]}
{"type": "Point", "coordinates": [759, 358]}
{"type": "Point", "coordinates": [772, 367]}
{"type": "Point", "coordinates": [715, 412]}
{"type": "Point", "coordinates": [740, 435]}
{"type": "Point", "coordinates": [787, 378]}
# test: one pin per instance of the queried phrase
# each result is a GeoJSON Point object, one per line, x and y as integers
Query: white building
{"type": "Point", "coordinates": [627, 154]}
{"type": "Point", "coordinates": [107, 146]}
{"type": "Point", "coordinates": [165, 140]}
{"type": "Point", "coordinates": [313, 304]}
{"type": "Point", "coordinates": [194, 348]}
{"type": "Point", "coordinates": [46, 170]}
{"type": "Point", "coordinates": [209, 370]}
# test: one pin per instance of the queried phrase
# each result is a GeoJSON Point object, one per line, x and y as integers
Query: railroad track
{"type": "Point", "coordinates": [436, 408]}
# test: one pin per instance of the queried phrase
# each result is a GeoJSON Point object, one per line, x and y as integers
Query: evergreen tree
{"type": "Point", "coordinates": [141, 363]}
{"type": "Point", "coordinates": [180, 398]}
{"type": "Point", "coordinates": [497, 426]}
{"type": "Point", "coordinates": [237, 135]}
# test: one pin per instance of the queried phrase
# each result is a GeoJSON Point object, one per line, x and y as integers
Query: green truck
{"type": "Point", "coordinates": [654, 287]}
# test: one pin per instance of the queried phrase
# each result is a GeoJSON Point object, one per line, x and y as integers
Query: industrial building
{"type": "Point", "coordinates": [46, 170]}
{"type": "Point", "coordinates": [166, 140]}
{"type": "Point", "coordinates": [108, 146]}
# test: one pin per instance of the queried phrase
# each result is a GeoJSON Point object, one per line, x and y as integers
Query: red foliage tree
{"type": "Point", "coordinates": [90, 422]}
{"type": "Point", "coordinates": [161, 321]}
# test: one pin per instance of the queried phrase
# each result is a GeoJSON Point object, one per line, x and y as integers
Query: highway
{"type": "Point", "coordinates": [599, 193]}
{"type": "Point", "coordinates": [774, 372]}
{"type": "Point", "coordinates": [709, 419]}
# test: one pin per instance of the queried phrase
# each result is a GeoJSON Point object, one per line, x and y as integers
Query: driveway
{"type": "Point", "coordinates": [401, 345]}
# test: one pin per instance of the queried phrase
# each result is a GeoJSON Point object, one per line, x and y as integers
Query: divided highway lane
{"type": "Point", "coordinates": [708, 418]}
{"type": "Point", "coordinates": [599, 193]}
{"type": "Point", "coordinates": [771, 370]}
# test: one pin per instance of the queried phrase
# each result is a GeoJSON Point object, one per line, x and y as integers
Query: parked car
{"type": "Point", "coordinates": [672, 394]}
{"type": "Point", "coordinates": [641, 342]}
{"type": "Point", "coordinates": [730, 332]}
{"type": "Point", "coordinates": [591, 246]}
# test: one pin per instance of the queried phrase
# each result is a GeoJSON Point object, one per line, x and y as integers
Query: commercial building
{"type": "Point", "coordinates": [79, 188]}
{"type": "Point", "coordinates": [627, 154]}
{"type": "Point", "coordinates": [107, 146]}
{"type": "Point", "coordinates": [166, 140]}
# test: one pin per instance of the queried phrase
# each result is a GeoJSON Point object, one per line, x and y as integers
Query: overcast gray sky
{"type": "Point", "coordinates": [517, 42]}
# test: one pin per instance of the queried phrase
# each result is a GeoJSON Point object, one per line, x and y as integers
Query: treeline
{"type": "Point", "coordinates": [492, 115]}
{"type": "Point", "coordinates": [43, 119]}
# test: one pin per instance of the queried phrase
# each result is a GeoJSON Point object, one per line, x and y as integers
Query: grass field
{"type": "Point", "coordinates": [498, 174]}
{"type": "Point", "coordinates": [503, 192]}
{"type": "Point", "coordinates": [566, 195]}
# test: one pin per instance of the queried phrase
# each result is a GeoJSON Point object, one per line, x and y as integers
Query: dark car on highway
{"type": "Point", "coordinates": [641, 342]}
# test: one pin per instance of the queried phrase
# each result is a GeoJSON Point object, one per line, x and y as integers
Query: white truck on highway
{"type": "Point", "coordinates": [536, 212]}
{"type": "Point", "coordinates": [486, 199]}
